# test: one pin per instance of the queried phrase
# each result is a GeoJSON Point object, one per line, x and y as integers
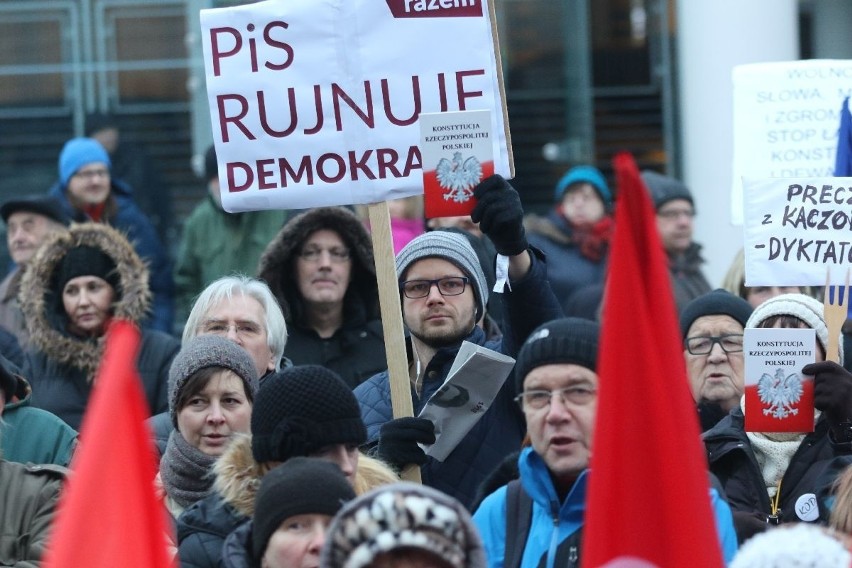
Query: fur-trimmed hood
{"type": "Point", "coordinates": [238, 475]}
{"type": "Point", "coordinates": [47, 324]}
{"type": "Point", "coordinates": [277, 268]}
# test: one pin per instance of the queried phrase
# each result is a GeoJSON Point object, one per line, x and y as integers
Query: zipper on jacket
{"type": "Point", "coordinates": [554, 535]}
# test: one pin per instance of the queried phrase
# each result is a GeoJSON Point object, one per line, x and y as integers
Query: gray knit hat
{"type": "Point", "coordinates": [209, 351]}
{"type": "Point", "coordinates": [664, 188]}
{"type": "Point", "coordinates": [402, 515]}
{"type": "Point", "coordinates": [453, 248]}
{"type": "Point", "coordinates": [801, 306]}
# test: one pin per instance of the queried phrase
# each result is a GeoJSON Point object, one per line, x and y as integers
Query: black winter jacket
{"type": "Point", "coordinates": [202, 528]}
{"type": "Point", "coordinates": [806, 483]}
{"type": "Point", "coordinates": [62, 366]}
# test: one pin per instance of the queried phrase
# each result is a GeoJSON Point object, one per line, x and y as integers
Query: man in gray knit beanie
{"type": "Point", "coordinates": [443, 293]}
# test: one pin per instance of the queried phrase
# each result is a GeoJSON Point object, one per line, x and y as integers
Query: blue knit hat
{"type": "Point", "coordinates": [584, 174]}
{"type": "Point", "coordinates": [80, 152]}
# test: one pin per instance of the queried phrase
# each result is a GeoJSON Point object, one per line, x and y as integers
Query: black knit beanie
{"type": "Point", "coordinates": [302, 409]}
{"type": "Point", "coordinates": [300, 486]}
{"type": "Point", "coordinates": [85, 260]}
{"type": "Point", "coordinates": [566, 340]}
{"type": "Point", "coordinates": [719, 302]}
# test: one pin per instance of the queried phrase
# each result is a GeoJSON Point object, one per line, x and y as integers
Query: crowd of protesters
{"type": "Point", "coordinates": [272, 413]}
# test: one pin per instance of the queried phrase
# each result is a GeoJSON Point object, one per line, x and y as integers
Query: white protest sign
{"type": "Point", "coordinates": [796, 228]}
{"type": "Point", "coordinates": [786, 118]}
{"type": "Point", "coordinates": [316, 102]}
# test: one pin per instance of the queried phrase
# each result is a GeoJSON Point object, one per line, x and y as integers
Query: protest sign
{"type": "Point", "coordinates": [457, 154]}
{"type": "Point", "coordinates": [786, 118]}
{"type": "Point", "coordinates": [316, 102]}
{"type": "Point", "coordinates": [796, 229]}
{"type": "Point", "coordinates": [778, 398]}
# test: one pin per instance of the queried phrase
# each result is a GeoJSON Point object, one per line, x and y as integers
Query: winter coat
{"type": "Point", "coordinates": [216, 243]}
{"type": "Point", "coordinates": [565, 518]}
{"type": "Point", "coordinates": [204, 525]}
{"type": "Point", "coordinates": [237, 550]}
{"type": "Point", "coordinates": [11, 316]}
{"type": "Point", "coordinates": [33, 435]}
{"type": "Point", "coordinates": [688, 282]}
{"type": "Point", "coordinates": [806, 483]}
{"type": "Point", "coordinates": [61, 366]}
{"type": "Point", "coordinates": [28, 497]}
{"type": "Point", "coordinates": [123, 214]}
{"type": "Point", "coordinates": [500, 429]}
{"type": "Point", "coordinates": [356, 351]}
{"type": "Point", "coordinates": [567, 269]}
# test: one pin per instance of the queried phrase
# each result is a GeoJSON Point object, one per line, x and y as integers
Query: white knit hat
{"type": "Point", "coordinates": [801, 306]}
{"type": "Point", "coordinates": [800, 545]}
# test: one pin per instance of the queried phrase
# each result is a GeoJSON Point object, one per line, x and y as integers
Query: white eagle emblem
{"type": "Point", "coordinates": [780, 393]}
{"type": "Point", "coordinates": [458, 178]}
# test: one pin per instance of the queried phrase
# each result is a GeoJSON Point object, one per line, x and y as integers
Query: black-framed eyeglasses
{"type": "Point", "coordinates": [730, 343]}
{"type": "Point", "coordinates": [447, 286]}
{"type": "Point", "coordinates": [535, 399]}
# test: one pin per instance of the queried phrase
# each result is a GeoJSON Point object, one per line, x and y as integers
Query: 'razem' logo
{"type": "Point", "coordinates": [435, 8]}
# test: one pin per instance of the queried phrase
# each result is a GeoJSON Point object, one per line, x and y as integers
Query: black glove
{"type": "Point", "coordinates": [748, 524]}
{"type": "Point", "coordinates": [833, 395]}
{"type": "Point", "coordinates": [500, 215]}
{"type": "Point", "coordinates": [398, 441]}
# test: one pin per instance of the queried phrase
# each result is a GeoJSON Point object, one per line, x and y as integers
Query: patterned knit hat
{"type": "Point", "coordinates": [299, 486]}
{"type": "Point", "coordinates": [664, 189]}
{"type": "Point", "coordinates": [78, 153]}
{"type": "Point", "coordinates": [801, 306]}
{"type": "Point", "coordinates": [302, 409]}
{"type": "Point", "coordinates": [209, 351]}
{"type": "Point", "coordinates": [566, 340]}
{"type": "Point", "coordinates": [453, 248]}
{"type": "Point", "coordinates": [402, 515]}
{"type": "Point", "coordinates": [719, 302]}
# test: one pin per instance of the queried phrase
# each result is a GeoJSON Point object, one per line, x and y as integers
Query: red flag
{"type": "Point", "coordinates": [648, 502]}
{"type": "Point", "coordinates": [109, 514]}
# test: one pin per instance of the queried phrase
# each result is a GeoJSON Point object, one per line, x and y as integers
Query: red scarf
{"type": "Point", "coordinates": [95, 212]}
{"type": "Point", "coordinates": [592, 239]}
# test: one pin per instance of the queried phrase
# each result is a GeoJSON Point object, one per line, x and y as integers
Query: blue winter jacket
{"type": "Point", "coordinates": [500, 430]}
{"type": "Point", "coordinates": [131, 221]}
{"type": "Point", "coordinates": [544, 534]}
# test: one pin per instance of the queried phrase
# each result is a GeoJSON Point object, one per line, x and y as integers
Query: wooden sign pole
{"type": "Point", "coordinates": [391, 310]}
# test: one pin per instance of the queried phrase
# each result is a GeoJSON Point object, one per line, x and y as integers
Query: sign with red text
{"type": "Point", "coordinates": [457, 154]}
{"type": "Point", "coordinates": [316, 102]}
{"type": "Point", "coordinates": [786, 118]}
{"type": "Point", "coordinates": [796, 229]}
{"type": "Point", "coordinates": [778, 397]}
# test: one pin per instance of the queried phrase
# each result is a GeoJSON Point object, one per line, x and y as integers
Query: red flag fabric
{"type": "Point", "coordinates": [109, 514]}
{"type": "Point", "coordinates": [648, 501]}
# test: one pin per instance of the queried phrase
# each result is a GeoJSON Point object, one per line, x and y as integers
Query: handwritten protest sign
{"type": "Point", "coordinates": [778, 398]}
{"type": "Point", "coordinates": [786, 118]}
{"type": "Point", "coordinates": [316, 102]}
{"type": "Point", "coordinates": [795, 229]}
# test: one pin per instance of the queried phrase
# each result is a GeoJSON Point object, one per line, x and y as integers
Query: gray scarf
{"type": "Point", "coordinates": [186, 471]}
